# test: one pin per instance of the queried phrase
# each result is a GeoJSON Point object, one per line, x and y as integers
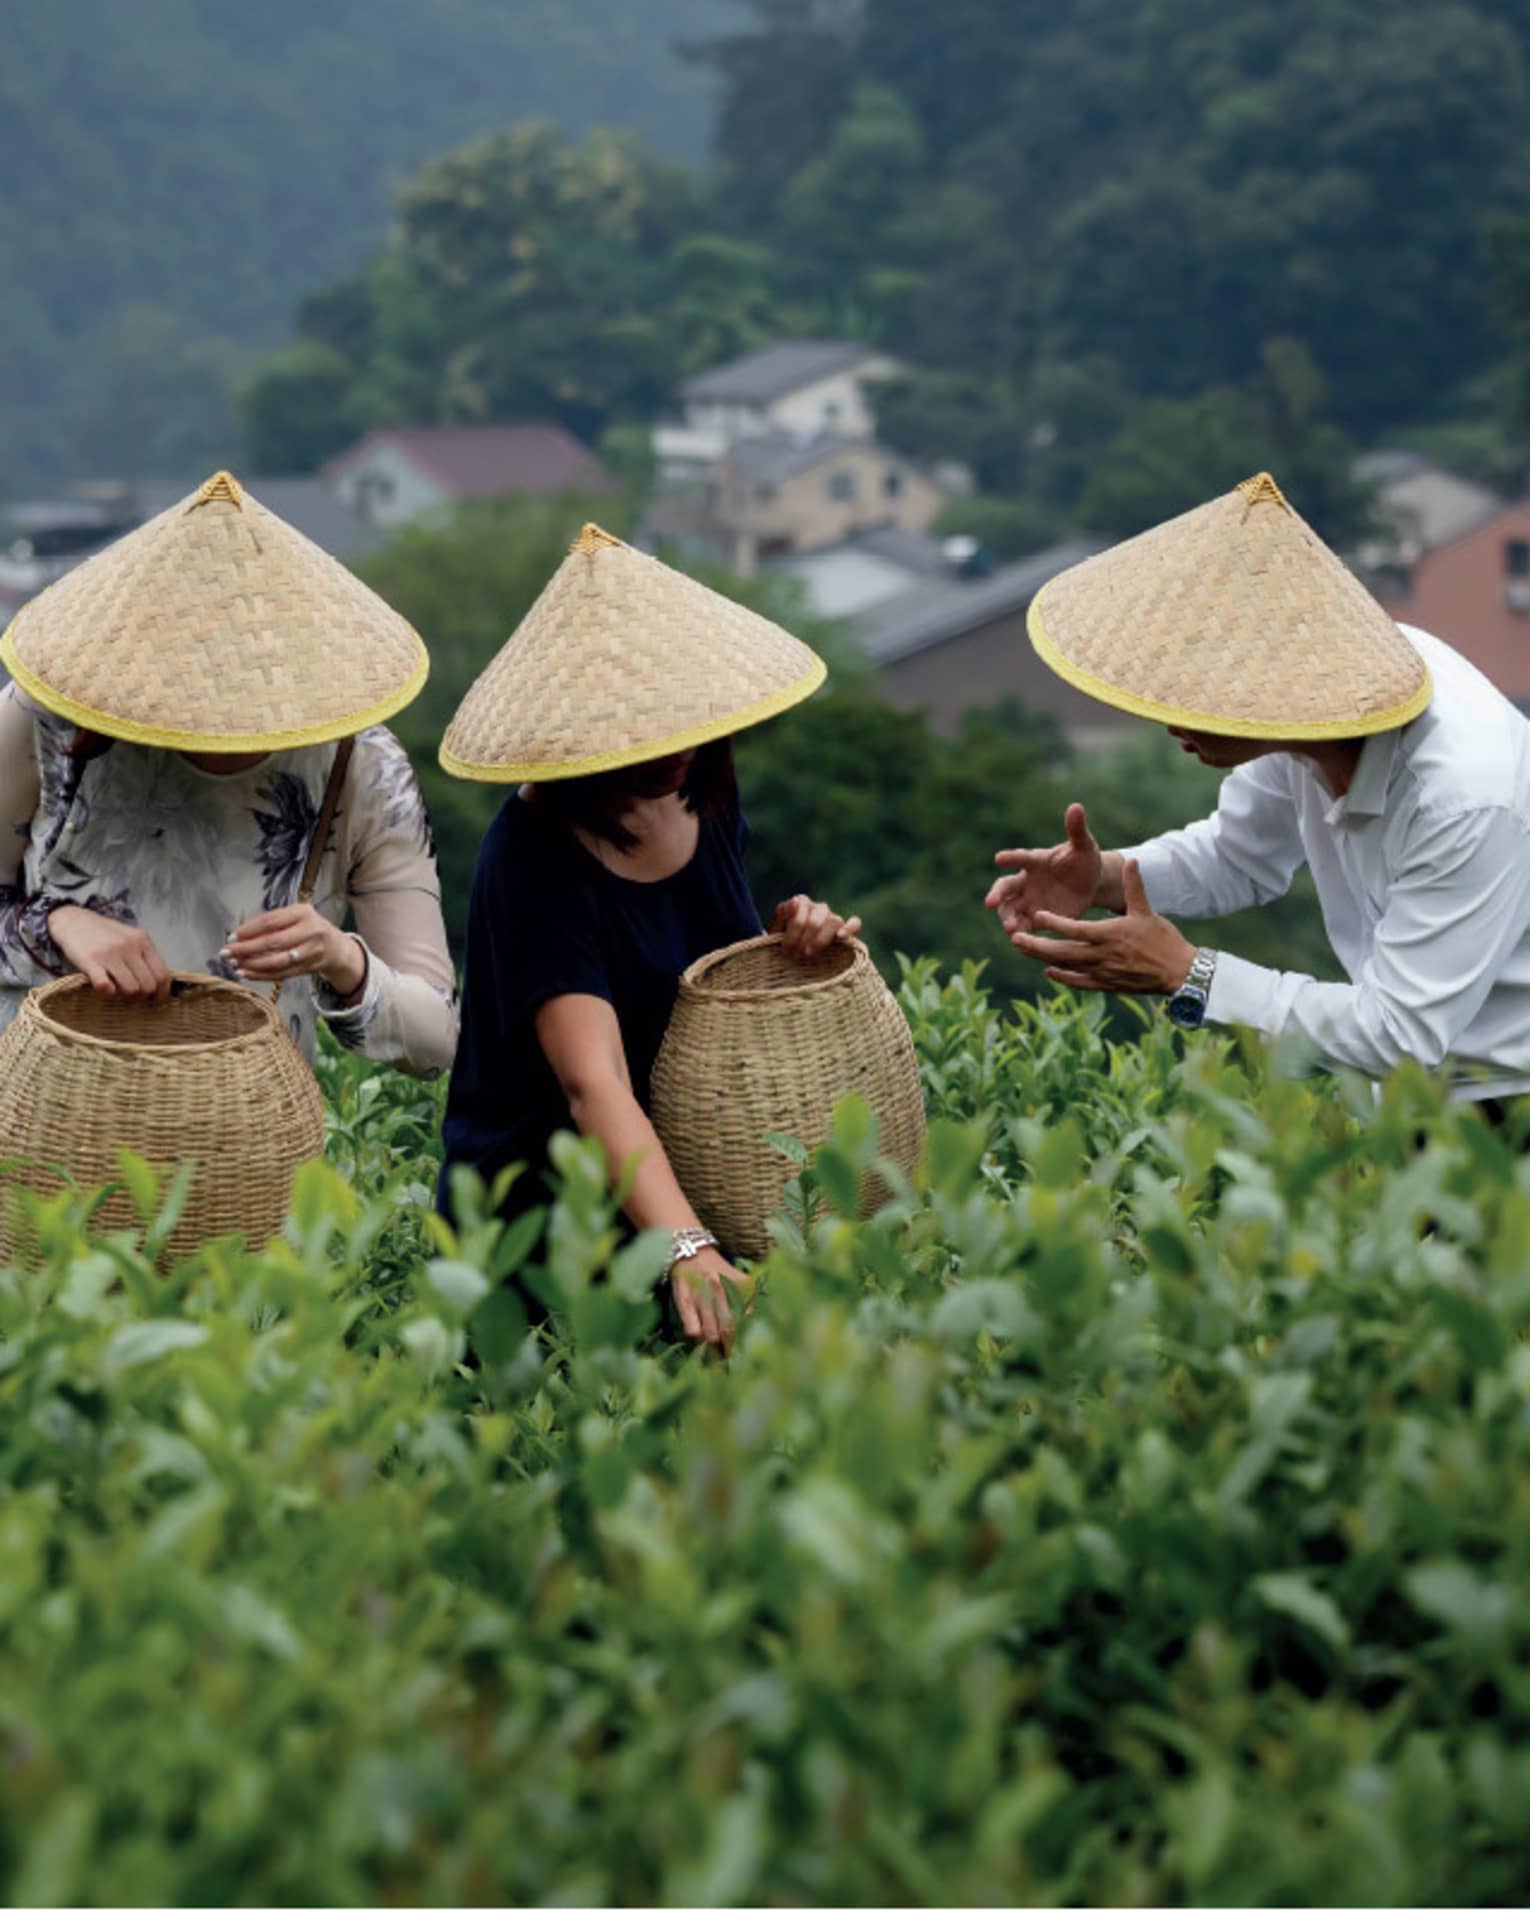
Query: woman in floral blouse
{"type": "Point", "coordinates": [125, 861]}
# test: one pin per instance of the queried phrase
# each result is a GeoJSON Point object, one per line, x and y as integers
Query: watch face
{"type": "Point", "coordinates": [1187, 1008]}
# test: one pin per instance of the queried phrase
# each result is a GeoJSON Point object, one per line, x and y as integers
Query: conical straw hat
{"type": "Point", "coordinates": [621, 660]}
{"type": "Point", "coordinates": [216, 627]}
{"type": "Point", "coordinates": [1234, 619]}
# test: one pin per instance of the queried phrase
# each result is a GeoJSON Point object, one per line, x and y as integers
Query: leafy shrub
{"type": "Point", "coordinates": [1135, 1510]}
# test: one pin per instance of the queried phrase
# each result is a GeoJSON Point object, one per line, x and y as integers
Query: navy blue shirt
{"type": "Point", "coordinates": [548, 918]}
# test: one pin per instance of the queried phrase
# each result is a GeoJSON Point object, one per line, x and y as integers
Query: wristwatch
{"type": "Point", "coordinates": [1187, 1005]}
{"type": "Point", "coordinates": [686, 1243]}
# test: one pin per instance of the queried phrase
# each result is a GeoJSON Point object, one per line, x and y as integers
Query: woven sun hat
{"type": "Point", "coordinates": [1235, 619]}
{"type": "Point", "coordinates": [215, 627]}
{"type": "Point", "coordinates": [621, 660]}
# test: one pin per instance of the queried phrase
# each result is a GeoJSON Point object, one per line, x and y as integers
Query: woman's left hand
{"type": "Point", "coordinates": [297, 941]}
{"type": "Point", "coordinates": [807, 928]}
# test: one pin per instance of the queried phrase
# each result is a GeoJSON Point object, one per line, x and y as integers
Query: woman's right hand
{"type": "Point", "coordinates": [701, 1286]}
{"type": "Point", "coordinates": [116, 958]}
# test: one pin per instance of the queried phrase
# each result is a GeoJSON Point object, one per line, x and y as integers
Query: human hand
{"type": "Point", "coordinates": [807, 928]}
{"type": "Point", "coordinates": [1135, 954]}
{"type": "Point", "coordinates": [1064, 880]}
{"type": "Point", "coordinates": [116, 958]}
{"type": "Point", "coordinates": [297, 941]}
{"type": "Point", "coordinates": [700, 1285]}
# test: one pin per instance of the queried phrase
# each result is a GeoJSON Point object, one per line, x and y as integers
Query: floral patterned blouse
{"type": "Point", "coordinates": [145, 837]}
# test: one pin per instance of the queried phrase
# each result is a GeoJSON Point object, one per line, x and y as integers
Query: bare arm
{"type": "Point", "coordinates": [582, 1040]}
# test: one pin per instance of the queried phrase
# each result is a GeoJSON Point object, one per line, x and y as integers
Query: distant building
{"type": "Point", "coordinates": [804, 388]}
{"type": "Point", "coordinates": [41, 540]}
{"type": "Point", "coordinates": [1474, 591]}
{"type": "Point", "coordinates": [396, 475]}
{"type": "Point", "coordinates": [1420, 505]}
{"type": "Point", "coordinates": [946, 630]}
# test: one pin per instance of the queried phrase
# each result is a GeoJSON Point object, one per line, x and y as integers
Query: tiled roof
{"type": "Point", "coordinates": [487, 461]}
{"type": "Point", "coordinates": [767, 375]}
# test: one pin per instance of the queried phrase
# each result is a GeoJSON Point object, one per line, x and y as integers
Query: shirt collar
{"type": "Point", "coordinates": [1367, 792]}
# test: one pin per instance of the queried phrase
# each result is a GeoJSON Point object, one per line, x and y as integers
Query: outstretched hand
{"type": "Point", "coordinates": [1064, 880]}
{"type": "Point", "coordinates": [1136, 954]}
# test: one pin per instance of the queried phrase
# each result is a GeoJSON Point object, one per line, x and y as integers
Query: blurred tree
{"type": "Point", "coordinates": [1173, 453]}
{"type": "Point", "coordinates": [298, 409]}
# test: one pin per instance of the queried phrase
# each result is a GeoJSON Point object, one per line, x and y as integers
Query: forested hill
{"type": "Point", "coordinates": [178, 172]}
{"type": "Point", "coordinates": [1133, 250]}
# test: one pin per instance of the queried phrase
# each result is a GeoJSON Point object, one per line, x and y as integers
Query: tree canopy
{"type": "Point", "coordinates": [1127, 254]}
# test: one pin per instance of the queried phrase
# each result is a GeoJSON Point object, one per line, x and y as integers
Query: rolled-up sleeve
{"type": "Point", "coordinates": [1458, 904]}
{"type": "Point", "coordinates": [1245, 854]}
{"type": "Point", "coordinates": [28, 954]}
{"type": "Point", "coordinates": [406, 1014]}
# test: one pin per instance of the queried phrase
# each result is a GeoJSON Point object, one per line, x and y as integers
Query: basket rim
{"type": "Point", "coordinates": [36, 1004]}
{"type": "Point", "coordinates": [691, 979]}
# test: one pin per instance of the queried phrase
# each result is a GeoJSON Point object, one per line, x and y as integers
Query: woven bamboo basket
{"type": "Point", "coordinates": [211, 1077]}
{"type": "Point", "coordinates": [761, 1044]}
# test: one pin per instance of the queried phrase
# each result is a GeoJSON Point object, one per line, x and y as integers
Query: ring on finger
{"type": "Point", "coordinates": [294, 956]}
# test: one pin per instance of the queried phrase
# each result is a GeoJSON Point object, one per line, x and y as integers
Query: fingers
{"type": "Point", "coordinates": [685, 1303]}
{"type": "Point", "coordinates": [807, 928]}
{"type": "Point", "coordinates": [703, 1306]}
{"type": "Point", "coordinates": [1134, 891]}
{"type": "Point", "coordinates": [1054, 949]}
{"type": "Point", "coordinates": [1075, 979]}
{"type": "Point", "coordinates": [95, 973]}
{"type": "Point", "coordinates": [1076, 823]}
{"type": "Point", "coordinates": [1021, 858]}
{"type": "Point", "coordinates": [1074, 927]}
{"type": "Point", "coordinates": [272, 922]}
{"type": "Point", "coordinates": [278, 961]}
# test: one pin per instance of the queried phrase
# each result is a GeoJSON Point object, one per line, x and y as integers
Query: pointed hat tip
{"type": "Point", "coordinates": [590, 540]}
{"type": "Point", "coordinates": [1262, 489]}
{"type": "Point", "coordinates": [221, 488]}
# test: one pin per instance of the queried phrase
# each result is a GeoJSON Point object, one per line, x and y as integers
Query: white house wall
{"type": "Point", "coordinates": [385, 486]}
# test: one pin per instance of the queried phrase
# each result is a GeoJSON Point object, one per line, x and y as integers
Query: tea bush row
{"type": "Point", "coordinates": [1136, 1510]}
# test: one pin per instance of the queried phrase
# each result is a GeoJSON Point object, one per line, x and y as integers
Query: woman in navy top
{"type": "Point", "coordinates": [591, 897]}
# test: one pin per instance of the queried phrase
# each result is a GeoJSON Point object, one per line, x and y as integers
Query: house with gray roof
{"type": "Point", "coordinates": [799, 387]}
{"type": "Point", "coordinates": [945, 630]}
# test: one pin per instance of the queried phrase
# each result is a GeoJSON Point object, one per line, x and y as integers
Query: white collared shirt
{"type": "Point", "coordinates": [1423, 873]}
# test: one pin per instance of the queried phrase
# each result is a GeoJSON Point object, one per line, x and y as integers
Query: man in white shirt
{"type": "Point", "coordinates": [1411, 809]}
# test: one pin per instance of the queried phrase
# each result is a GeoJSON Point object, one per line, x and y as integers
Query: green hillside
{"type": "Point", "coordinates": [177, 173]}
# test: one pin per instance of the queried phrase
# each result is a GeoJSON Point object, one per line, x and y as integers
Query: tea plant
{"type": "Point", "coordinates": [1136, 1509]}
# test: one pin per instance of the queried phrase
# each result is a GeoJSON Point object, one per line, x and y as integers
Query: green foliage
{"type": "Point", "coordinates": [1132, 1511]}
{"type": "Point", "coordinates": [181, 174]}
{"type": "Point", "coordinates": [857, 801]}
{"type": "Point", "coordinates": [1127, 258]}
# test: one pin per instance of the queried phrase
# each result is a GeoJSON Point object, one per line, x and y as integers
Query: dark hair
{"type": "Point", "coordinates": [595, 803]}
{"type": "Point", "coordinates": [86, 745]}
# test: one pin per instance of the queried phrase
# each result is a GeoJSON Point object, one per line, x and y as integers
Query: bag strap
{"type": "Point", "coordinates": [327, 808]}
{"type": "Point", "coordinates": [328, 804]}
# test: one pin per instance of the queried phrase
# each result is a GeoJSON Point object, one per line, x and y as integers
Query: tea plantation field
{"type": "Point", "coordinates": [1136, 1511]}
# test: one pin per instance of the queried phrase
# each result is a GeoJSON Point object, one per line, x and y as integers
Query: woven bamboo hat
{"type": "Point", "coordinates": [1235, 619]}
{"type": "Point", "coordinates": [216, 627]}
{"type": "Point", "coordinates": [621, 660]}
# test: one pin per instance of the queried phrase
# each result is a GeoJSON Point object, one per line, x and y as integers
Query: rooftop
{"type": "Point", "coordinates": [937, 609]}
{"type": "Point", "coordinates": [486, 461]}
{"type": "Point", "coordinates": [772, 373]}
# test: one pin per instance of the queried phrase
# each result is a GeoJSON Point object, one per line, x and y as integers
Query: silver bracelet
{"type": "Point", "coordinates": [686, 1243]}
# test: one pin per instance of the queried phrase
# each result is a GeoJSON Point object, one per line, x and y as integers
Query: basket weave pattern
{"type": "Point", "coordinates": [621, 659]}
{"type": "Point", "coordinates": [215, 624]}
{"type": "Point", "coordinates": [211, 1077]}
{"type": "Point", "coordinates": [1234, 618]}
{"type": "Point", "coordinates": [760, 1044]}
